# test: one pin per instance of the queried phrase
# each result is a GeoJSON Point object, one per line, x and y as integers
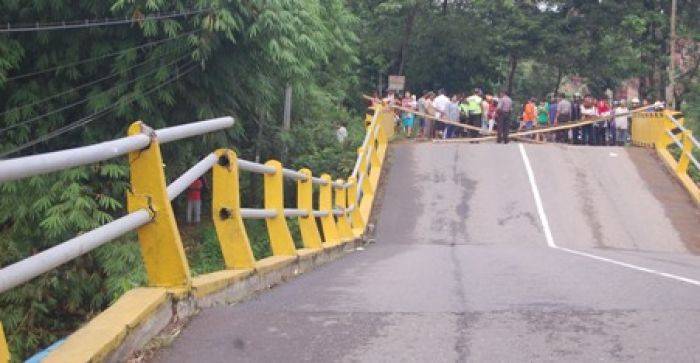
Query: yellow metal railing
{"type": "Point", "coordinates": [663, 130]}
{"type": "Point", "coordinates": [344, 210]}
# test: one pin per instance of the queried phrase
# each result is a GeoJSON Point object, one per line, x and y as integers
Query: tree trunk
{"type": "Point", "coordinates": [513, 65]}
{"type": "Point", "coordinates": [408, 29]}
{"type": "Point", "coordinates": [560, 75]}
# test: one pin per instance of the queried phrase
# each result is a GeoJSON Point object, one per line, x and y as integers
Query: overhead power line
{"type": "Point", "coordinates": [98, 114]}
{"type": "Point", "coordinates": [86, 99]}
{"type": "Point", "coordinates": [92, 23]}
{"type": "Point", "coordinates": [77, 88]}
{"type": "Point", "coordinates": [87, 60]}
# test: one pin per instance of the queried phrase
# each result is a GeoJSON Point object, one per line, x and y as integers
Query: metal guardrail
{"type": "Point", "coordinates": [344, 206]}
{"type": "Point", "coordinates": [663, 129]}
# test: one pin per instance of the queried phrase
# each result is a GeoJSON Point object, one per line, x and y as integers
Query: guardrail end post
{"type": "Point", "coordinates": [280, 238]}
{"type": "Point", "coordinates": [4, 350]}
{"type": "Point", "coordinates": [226, 212]}
{"type": "Point", "coordinates": [307, 225]}
{"type": "Point", "coordinates": [325, 204]}
{"type": "Point", "coordinates": [343, 222]}
{"type": "Point", "coordinates": [161, 246]}
{"type": "Point", "coordinates": [358, 223]}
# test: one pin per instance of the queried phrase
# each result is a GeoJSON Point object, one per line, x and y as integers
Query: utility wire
{"type": "Point", "coordinates": [31, 74]}
{"type": "Point", "coordinates": [84, 100]}
{"type": "Point", "coordinates": [98, 114]}
{"type": "Point", "coordinates": [92, 23]}
{"type": "Point", "coordinates": [77, 88]}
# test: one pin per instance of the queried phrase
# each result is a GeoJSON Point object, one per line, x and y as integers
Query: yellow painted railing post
{"type": "Point", "coordinates": [161, 246]}
{"type": "Point", "coordinates": [367, 196]}
{"type": "Point", "coordinates": [307, 225]}
{"type": "Point", "coordinates": [375, 167]}
{"type": "Point", "coordinates": [343, 222]}
{"type": "Point", "coordinates": [663, 124]}
{"type": "Point", "coordinates": [226, 207]}
{"type": "Point", "coordinates": [325, 204]}
{"type": "Point", "coordinates": [358, 224]}
{"type": "Point", "coordinates": [4, 350]}
{"type": "Point", "coordinates": [684, 160]}
{"type": "Point", "coordinates": [280, 238]}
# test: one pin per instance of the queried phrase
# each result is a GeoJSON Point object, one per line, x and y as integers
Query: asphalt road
{"type": "Point", "coordinates": [461, 269]}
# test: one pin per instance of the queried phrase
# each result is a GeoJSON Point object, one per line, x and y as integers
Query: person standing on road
{"type": "Point", "coordinates": [563, 116]}
{"type": "Point", "coordinates": [430, 111]}
{"type": "Point", "coordinates": [576, 117]}
{"type": "Point", "coordinates": [542, 117]}
{"type": "Point", "coordinates": [485, 113]}
{"type": "Point", "coordinates": [493, 104]}
{"type": "Point", "coordinates": [588, 112]}
{"type": "Point", "coordinates": [474, 111]}
{"type": "Point", "coordinates": [622, 123]}
{"type": "Point", "coordinates": [452, 115]}
{"type": "Point", "coordinates": [503, 112]}
{"type": "Point", "coordinates": [441, 102]}
{"type": "Point", "coordinates": [194, 201]}
{"type": "Point", "coordinates": [529, 115]}
{"type": "Point", "coordinates": [600, 128]}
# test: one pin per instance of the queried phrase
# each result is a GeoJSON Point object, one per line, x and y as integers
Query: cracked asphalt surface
{"type": "Point", "coordinates": [460, 270]}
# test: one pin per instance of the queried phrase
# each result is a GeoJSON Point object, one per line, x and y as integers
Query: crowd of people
{"type": "Point", "coordinates": [486, 114]}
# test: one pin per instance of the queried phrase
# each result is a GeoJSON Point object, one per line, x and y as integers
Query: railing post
{"type": "Point", "coordinates": [4, 350]}
{"type": "Point", "coordinates": [342, 220]}
{"type": "Point", "coordinates": [367, 189]}
{"type": "Point", "coordinates": [307, 225]}
{"type": "Point", "coordinates": [358, 224]}
{"type": "Point", "coordinates": [226, 208]}
{"type": "Point", "coordinates": [325, 204]}
{"type": "Point", "coordinates": [376, 166]}
{"type": "Point", "coordinates": [684, 160]}
{"type": "Point", "coordinates": [280, 238]}
{"type": "Point", "coordinates": [161, 246]}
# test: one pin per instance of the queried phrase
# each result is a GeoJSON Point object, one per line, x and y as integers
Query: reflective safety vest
{"type": "Point", "coordinates": [473, 105]}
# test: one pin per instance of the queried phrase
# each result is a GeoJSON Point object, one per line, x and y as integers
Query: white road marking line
{"type": "Point", "coordinates": [538, 200]}
{"type": "Point", "coordinates": [550, 239]}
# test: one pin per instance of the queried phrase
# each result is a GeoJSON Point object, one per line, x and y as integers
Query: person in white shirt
{"type": "Point", "coordinates": [622, 123]}
{"type": "Point", "coordinates": [341, 134]}
{"type": "Point", "coordinates": [589, 111]}
{"type": "Point", "coordinates": [441, 103]}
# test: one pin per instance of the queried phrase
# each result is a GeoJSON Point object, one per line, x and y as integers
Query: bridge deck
{"type": "Point", "coordinates": [461, 269]}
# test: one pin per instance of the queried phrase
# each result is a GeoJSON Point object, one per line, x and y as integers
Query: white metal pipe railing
{"type": "Point", "coordinates": [26, 166]}
{"type": "Point", "coordinates": [682, 128]}
{"type": "Point", "coordinates": [319, 181]}
{"type": "Point", "coordinates": [293, 174]}
{"type": "Point", "coordinates": [33, 266]}
{"type": "Point", "coordinates": [320, 213]}
{"type": "Point", "coordinates": [678, 143]}
{"type": "Point", "coordinates": [174, 133]}
{"type": "Point", "coordinates": [255, 167]}
{"type": "Point", "coordinates": [251, 213]}
{"type": "Point", "coordinates": [180, 184]}
{"type": "Point", "coordinates": [293, 212]}
{"type": "Point", "coordinates": [368, 136]}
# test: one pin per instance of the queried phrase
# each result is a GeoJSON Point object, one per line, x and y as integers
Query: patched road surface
{"type": "Point", "coordinates": [461, 269]}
